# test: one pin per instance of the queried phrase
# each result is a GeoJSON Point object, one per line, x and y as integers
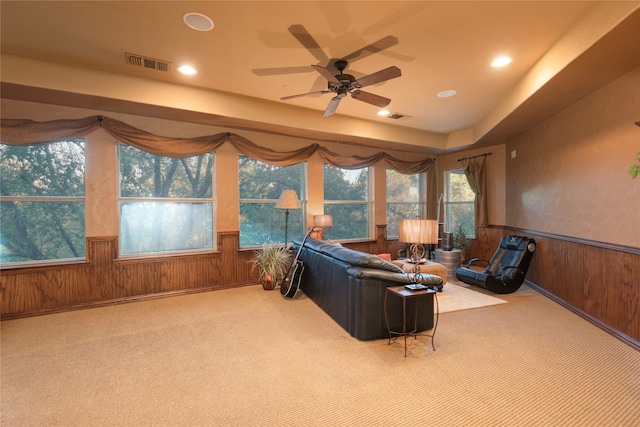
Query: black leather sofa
{"type": "Point", "coordinates": [350, 287]}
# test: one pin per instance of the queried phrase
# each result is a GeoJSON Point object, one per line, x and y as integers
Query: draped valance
{"type": "Point", "coordinates": [29, 132]}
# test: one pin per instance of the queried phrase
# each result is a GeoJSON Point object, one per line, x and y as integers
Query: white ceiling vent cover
{"type": "Point", "coordinates": [146, 62]}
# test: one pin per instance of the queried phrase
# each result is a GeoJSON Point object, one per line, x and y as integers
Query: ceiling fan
{"type": "Point", "coordinates": [345, 84]}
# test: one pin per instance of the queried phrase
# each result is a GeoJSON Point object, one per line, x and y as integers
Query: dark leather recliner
{"type": "Point", "coordinates": [506, 270]}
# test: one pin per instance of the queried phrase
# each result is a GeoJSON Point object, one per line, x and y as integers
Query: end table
{"type": "Point", "coordinates": [407, 294]}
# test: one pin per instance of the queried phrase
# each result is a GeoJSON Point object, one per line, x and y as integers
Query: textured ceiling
{"type": "Point", "coordinates": [251, 52]}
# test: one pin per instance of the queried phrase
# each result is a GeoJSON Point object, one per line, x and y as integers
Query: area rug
{"type": "Point", "coordinates": [456, 297]}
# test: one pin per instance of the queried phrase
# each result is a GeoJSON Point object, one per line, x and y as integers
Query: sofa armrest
{"type": "Point", "coordinates": [397, 278]}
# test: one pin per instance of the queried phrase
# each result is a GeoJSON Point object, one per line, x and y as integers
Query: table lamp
{"type": "Point", "coordinates": [288, 200]}
{"type": "Point", "coordinates": [417, 232]}
{"type": "Point", "coordinates": [320, 222]}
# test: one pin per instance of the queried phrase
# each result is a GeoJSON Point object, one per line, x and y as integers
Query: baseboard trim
{"type": "Point", "coordinates": [600, 324]}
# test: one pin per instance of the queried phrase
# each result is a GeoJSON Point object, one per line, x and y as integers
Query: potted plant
{"type": "Point", "coordinates": [634, 170]}
{"type": "Point", "coordinates": [461, 242]}
{"type": "Point", "coordinates": [273, 261]}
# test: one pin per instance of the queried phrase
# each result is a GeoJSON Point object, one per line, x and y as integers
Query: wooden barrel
{"type": "Point", "coordinates": [450, 260]}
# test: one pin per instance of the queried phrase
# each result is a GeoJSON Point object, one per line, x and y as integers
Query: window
{"type": "Point", "coordinates": [405, 199]}
{"type": "Point", "coordinates": [166, 204]}
{"type": "Point", "coordinates": [459, 203]}
{"type": "Point", "coordinates": [260, 187]}
{"type": "Point", "coordinates": [346, 199]}
{"type": "Point", "coordinates": [42, 202]}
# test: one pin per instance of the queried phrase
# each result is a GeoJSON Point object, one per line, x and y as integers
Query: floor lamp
{"type": "Point", "coordinates": [288, 200]}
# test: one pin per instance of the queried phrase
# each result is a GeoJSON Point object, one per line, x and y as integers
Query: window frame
{"type": "Point", "coordinates": [212, 201]}
{"type": "Point", "coordinates": [55, 199]}
{"type": "Point", "coordinates": [369, 203]}
{"type": "Point", "coordinates": [302, 196]}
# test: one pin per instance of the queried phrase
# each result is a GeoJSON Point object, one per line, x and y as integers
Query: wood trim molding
{"type": "Point", "coordinates": [597, 322]}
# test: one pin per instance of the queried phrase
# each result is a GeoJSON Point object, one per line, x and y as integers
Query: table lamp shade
{"type": "Point", "coordinates": [420, 231]}
{"type": "Point", "coordinates": [322, 221]}
{"type": "Point", "coordinates": [288, 200]}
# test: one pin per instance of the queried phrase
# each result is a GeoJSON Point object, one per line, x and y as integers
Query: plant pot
{"type": "Point", "coordinates": [267, 283]}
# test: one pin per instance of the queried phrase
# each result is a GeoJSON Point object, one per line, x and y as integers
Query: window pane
{"type": "Point", "coordinates": [344, 184]}
{"type": "Point", "coordinates": [152, 226]}
{"type": "Point", "coordinates": [461, 213]}
{"type": "Point", "coordinates": [148, 227]}
{"type": "Point", "coordinates": [459, 203]}
{"type": "Point", "coordinates": [55, 169]}
{"type": "Point", "coordinates": [260, 188]}
{"type": "Point", "coordinates": [459, 189]}
{"type": "Point", "coordinates": [350, 221]}
{"type": "Point", "coordinates": [147, 175]}
{"type": "Point", "coordinates": [403, 199]}
{"type": "Point", "coordinates": [402, 188]}
{"type": "Point", "coordinates": [36, 224]}
{"type": "Point", "coordinates": [38, 231]}
{"type": "Point", "coordinates": [263, 223]}
{"type": "Point", "coordinates": [262, 181]}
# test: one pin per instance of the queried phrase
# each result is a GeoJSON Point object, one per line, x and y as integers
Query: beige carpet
{"type": "Point", "coordinates": [248, 357]}
{"type": "Point", "coordinates": [458, 296]}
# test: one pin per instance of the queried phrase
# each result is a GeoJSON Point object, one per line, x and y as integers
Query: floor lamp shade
{"type": "Point", "coordinates": [288, 200]}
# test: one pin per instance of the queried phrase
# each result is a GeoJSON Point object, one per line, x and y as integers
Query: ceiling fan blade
{"type": "Point", "coordinates": [380, 76]}
{"type": "Point", "coordinates": [280, 70]}
{"type": "Point", "coordinates": [307, 40]}
{"type": "Point", "coordinates": [332, 107]}
{"type": "Point", "coordinates": [326, 73]}
{"type": "Point", "coordinates": [318, 92]}
{"type": "Point", "coordinates": [370, 98]}
{"type": "Point", "coordinates": [375, 47]}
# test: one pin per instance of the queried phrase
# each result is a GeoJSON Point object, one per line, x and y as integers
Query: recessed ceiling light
{"type": "Point", "coordinates": [501, 61]}
{"type": "Point", "coordinates": [383, 113]}
{"type": "Point", "coordinates": [198, 21]}
{"type": "Point", "coordinates": [447, 93]}
{"type": "Point", "coordinates": [187, 70]}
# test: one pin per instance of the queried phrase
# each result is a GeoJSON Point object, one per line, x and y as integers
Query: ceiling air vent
{"type": "Point", "coordinates": [398, 116]}
{"type": "Point", "coordinates": [145, 62]}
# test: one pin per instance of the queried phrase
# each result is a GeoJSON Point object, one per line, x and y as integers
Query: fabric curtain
{"type": "Point", "coordinates": [474, 170]}
{"type": "Point", "coordinates": [29, 132]}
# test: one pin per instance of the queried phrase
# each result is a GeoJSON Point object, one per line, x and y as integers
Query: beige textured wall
{"type": "Point", "coordinates": [570, 176]}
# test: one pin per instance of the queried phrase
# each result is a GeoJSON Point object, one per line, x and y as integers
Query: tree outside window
{"type": "Point", "coordinates": [459, 203]}
{"type": "Point", "coordinates": [42, 200]}
{"type": "Point", "coordinates": [405, 199]}
{"type": "Point", "coordinates": [346, 199]}
{"type": "Point", "coordinates": [260, 187]}
{"type": "Point", "coordinates": [166, 204]}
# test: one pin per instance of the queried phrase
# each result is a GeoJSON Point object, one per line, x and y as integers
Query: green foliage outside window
{"type": "Point", "coordinates": [459, 203]}
{"type": "Point", "coordinates": [42, 201]}
{"type": "Point", "coordinates": [260, 187]}
{"type": "Point", "coordinates": [403, 199]}
{"type": "Point", "coordinates": [346, 199]}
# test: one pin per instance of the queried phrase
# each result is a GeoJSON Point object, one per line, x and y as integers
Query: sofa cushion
{"type": "Point", "coordinates": [349, 256]}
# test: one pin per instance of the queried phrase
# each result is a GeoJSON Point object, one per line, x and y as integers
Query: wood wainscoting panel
{"type": "Point", "coordinates": [104, 279]}
{"type": "Point", "coordinates": [598, 280]}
